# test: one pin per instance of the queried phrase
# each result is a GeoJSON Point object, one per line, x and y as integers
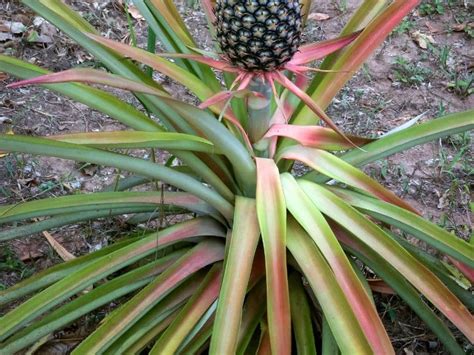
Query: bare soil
{"type": "Point", "coordinates": [401, 81]}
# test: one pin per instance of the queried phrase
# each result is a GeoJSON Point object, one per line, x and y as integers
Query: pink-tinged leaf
{"type": "Point", "coordinates": [271, 212]}
{"type": "Point", "coordinates": [190, 314]}
{"type": "Point", "coordinates": [311, 219]}
{"type": "Point", "coordinates": [334, 167]}
{"type": "Point", "coordinates": [466, 270]}
{"type": "Point", "coordinates": [177, 73]}
{"type": "Point", "coordinates": [319, 50]}
{"type": "Point", "coordinates": [380, 286]}
{"type": "Point", "coordinates": [217, 98]}
{"type": "Point", "coordinates": [413, 270]}
{"type": "Point", "coordinates": [205, 253]}
{"type": "Point", "coordinates": [225, 96]}
{"type": "Point", "coordinates": [334, 304]}
{"type": "Point", "coordinates": [315, 136]}
{"type": "Point", "coordinates": [91, 76]}
{"type": "Point", "coordinates": [238, 268]}
{"type": "Point", "coordinates": [287, 83]}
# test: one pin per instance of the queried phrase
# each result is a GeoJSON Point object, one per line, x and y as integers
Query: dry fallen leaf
{"type": "Point", "coordinates": [433, 28]}
{"type": "Point", "coordinates": [134, 12]}
{"type": "Point", "coordinates": [58, 248]}
{"type": "Point", "coordinates": [12, 27]}
{"type": "Point", "coordinates": [422, 39]}
{"type": "Point", "coordinates": [318, 16]}
{"type": "Point", "coordinates": [459, 28]}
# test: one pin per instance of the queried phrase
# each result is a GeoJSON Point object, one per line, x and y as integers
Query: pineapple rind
{"type": "Point", "coordinates": [258, 35]}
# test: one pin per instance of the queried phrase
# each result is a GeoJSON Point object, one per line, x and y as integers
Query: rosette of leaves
{"type": "Point", "coordinates": [266, 262]}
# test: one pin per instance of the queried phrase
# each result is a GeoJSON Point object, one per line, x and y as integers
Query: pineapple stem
{"type": "Point", "coordinates": [259, 113]}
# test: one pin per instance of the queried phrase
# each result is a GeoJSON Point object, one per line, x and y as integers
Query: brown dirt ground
{"type": "Point", "coordinates": [436, 178]}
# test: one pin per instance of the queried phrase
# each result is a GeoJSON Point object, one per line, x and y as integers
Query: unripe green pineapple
{"type": "Point", "coordinates": [258, 35]}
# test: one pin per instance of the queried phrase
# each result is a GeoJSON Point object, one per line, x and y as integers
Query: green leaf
{"type": "Point", "coordinates": [238, 263]}
{"type": "Point", "coordinates": [189, 315]}
{"type": "Point", "coordinates": [329, 344]}
{"type": "Point", "coordinates": [336, 168]}
{"type": "Point", "coordinates": [223, 140]}
{"type": "Point", "coordinates": [308, 215]}
{"type": "Point", "coordinates": [117, 323]}
{"type": "Point", "coordinates": [163, 66]}
{"type": "Point", "coordinates": [86, 303]}
{"type": "Point", "coordinates": [255, 307]}
{"type": "Point", "coordinates": [335, 305]}
{"type": "Point", "coordinates": [41, 146]}
{"type": "Point", "coordinates": [74, 26]}
{"type": "Point", "coordinates": [134, 139]}
{"type": "Point", "coordinates": [100, 201]}
{"type": "Point", "coordinates": [411, 223]}
{"type": "Point", "coordinates": [172, 29]}
{"type": "Point", "coordinates": [100, 268]}
{"type": "Point", "coordinates": [414, 271]}
{"type": "Point", "coordinates": [407, 138]}
{"type": "Point", "coordinates": [390, 275]}
{"type": "Point", "coordinates": [92, 97]}
{"type": "Point", "coordinates": [412, 136]}
{"type": "Point", "coordinates": [301, 317]}
{"type": "Point", "coordinates": [271, 212]}
{"type": "Point", "coordinates": [67, 219]}
{"type": "Point", "coordinates": [57, 272]}
{"type": "Point", "coordinates": [147, 328]}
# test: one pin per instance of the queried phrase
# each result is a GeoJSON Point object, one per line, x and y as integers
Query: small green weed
{"type": "Point", "coordinates": [405, 26]}
{"type": "Point", "coordinates": [10, 262]}
{"type": "Point", "coordinates": [432, 7]}
{"type": "Point", "coordinates": [409, 73]}
{"type": "Point", "coordinates": [462, 85]}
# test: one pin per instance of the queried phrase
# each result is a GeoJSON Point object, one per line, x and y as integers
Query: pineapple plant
{"type": "Point", "coordinates": [266, 262]}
